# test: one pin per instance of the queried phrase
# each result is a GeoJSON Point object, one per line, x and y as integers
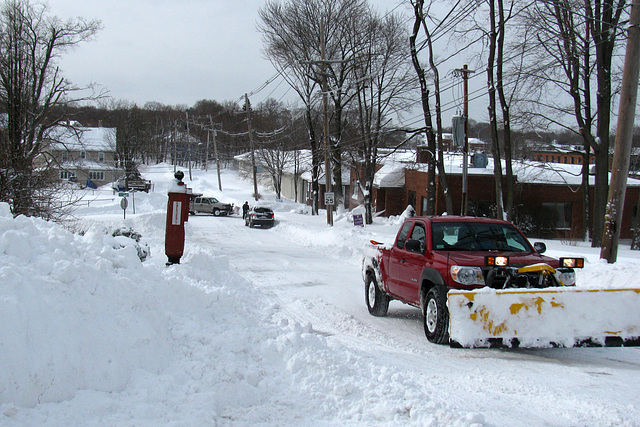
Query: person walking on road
{"type": "Point", "coordinates": [245, 209]}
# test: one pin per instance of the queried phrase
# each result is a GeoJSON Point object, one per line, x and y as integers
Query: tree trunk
{"type": "Point", "coordinates": [493, 120]}
{"type": "Point", "coordinates": [506, 116]}
{"type": "Point", "coordinates": [442, 175]}
{"type": "Point", "coordinates": [424, 97]}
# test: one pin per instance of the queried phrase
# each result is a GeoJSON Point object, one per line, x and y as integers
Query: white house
{"type": "Point", "coordinates": [85, 154]}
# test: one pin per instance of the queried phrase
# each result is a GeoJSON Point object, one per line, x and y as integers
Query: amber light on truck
{"type": "Point", "coordinates": [467, 275]}
{"type": "Point", "coordinates": [497, 261]}
{"type": "Point", "coordinates": [572, 262]}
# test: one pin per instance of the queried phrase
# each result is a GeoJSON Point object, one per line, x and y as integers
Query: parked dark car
{"type": "Point", "coordinates": [260, 215]}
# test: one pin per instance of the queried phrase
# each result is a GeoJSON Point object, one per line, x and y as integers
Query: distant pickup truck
{"type": "Point", "coordinates": [136, 183]}
{"type": "Point", "coordinates": [210, 205]}
{"type": "Point", "coordinates": [433, 255]}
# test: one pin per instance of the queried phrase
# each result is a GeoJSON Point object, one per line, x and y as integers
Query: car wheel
{"type": "Point", "coordinates": [216, 212]}
{"type": "Point", "coordinates": [436, 317]}
{"type": "Point", "coordinates": [377, 301]}
{"type": "Point", "coordinates": [251, 224]}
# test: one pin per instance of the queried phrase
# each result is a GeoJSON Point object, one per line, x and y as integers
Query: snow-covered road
{"type": "Point", "coordinates": [317, 281]}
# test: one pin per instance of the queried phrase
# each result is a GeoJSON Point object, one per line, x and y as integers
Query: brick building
{"type": "Point", "coordinates": [550, 199]}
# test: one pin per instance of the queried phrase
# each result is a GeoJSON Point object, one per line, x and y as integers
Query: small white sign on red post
{"type": "Point", "coordinates": [176, 215]}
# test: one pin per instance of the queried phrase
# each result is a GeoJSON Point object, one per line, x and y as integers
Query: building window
{"type": "Point", "coordinates": [355, 191]}
{"type": "Point", "coordinates": [96, 176]}
{"type": "Point", "coordinates": [65, 156]}
{"type": "Point", "coordinates": [101, 157]}
{"type": "Point", "coordinates": [68, 175]}
{"type": "Point", "coordinates": [558, 214]}
{"type": "Point", "coordinates": [425, 205]}
{"type": "Point", "coordinates": [83, 155]}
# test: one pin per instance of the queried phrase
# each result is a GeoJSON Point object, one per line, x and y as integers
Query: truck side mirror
{"type": "Point", "coordinates": [413, 245]}
{"type": "Point", "coordinates": [540, 247]}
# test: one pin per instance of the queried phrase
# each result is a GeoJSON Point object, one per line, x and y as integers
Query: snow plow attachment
{"type": "Point", "coordinates": [538, 318]}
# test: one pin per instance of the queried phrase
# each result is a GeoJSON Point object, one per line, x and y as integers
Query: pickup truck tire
{"type": "Point", "coordinates": [377, 301]}
{"type": "Point", "coordinates": [216, 212]}
{"type": "Point", "coordinates": [436, 317]}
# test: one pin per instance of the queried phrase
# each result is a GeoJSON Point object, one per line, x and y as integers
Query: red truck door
{"type": "Point", "coordinates": [406, 265]}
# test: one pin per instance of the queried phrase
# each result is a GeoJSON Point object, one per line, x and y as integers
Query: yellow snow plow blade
{"type": "Point", "coordinates": [557, 317]}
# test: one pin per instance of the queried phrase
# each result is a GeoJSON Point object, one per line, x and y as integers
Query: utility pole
{"type": "Point", "coordinates": [325, 124]}
{"type": "Point", "coordinates": [247, 105]}
{"type": "Point", "coordinates": [215, 151]}
{"type": "Point", "coordinates": [206, 153]}
{"type": "Point", "coordinates": [174, 134]}
{"type": "Point", "coordinates": [325, 127]}
{"type": "Point", "coordinates": [464, 72]}
{"type": "Point", "coordinates": [624, 134]}
{"type": "Point", "coordinates": [189, 145]}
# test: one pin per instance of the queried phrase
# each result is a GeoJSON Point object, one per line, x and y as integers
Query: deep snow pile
{"type": "Point", "coordinates": [90, 335]}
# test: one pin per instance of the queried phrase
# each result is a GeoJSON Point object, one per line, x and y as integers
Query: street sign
{"type": "Point", "coordinates": [329, 199]}
{"type": "Point", "coordinates": [124, 202]}
{"type": "Point", "coordinates": [358, 220]}
{"type": "Point", "coordinates": [123, 194]}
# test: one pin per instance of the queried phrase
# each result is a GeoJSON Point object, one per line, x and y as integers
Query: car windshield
{"type": "Point", "coordinates": [478, 236]}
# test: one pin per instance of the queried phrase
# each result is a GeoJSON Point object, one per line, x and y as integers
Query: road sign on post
{"type": "Point", "coordinates": [329, 199]}
{"type": "Point", "coordinates": [124, 202]}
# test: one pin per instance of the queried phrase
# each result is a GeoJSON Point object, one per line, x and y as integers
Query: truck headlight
{"type": "Point", "coordinates": [572, 262]}
{"type": "Point", "coordinates": [467, 275]}
{"type": "Point", "coordinates": [566, 277]}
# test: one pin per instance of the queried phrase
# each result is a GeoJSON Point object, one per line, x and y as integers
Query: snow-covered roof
{"type": "Point", "coordinates": [84, 139]}
{"type": "Point", "coordinates": [391, 175]}
{"type": "Point", "coordinates": [87, 164]}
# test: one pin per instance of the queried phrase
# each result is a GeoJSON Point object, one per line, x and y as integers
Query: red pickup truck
{"type": "Point", "coordinates": [433, 255]}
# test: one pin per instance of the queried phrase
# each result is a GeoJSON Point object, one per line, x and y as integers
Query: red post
{"type": "Point", "coordinates": [177, 215]}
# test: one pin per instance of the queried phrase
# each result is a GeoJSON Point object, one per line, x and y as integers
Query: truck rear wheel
{"type": "Point", "coordinates": [436, 317]}
{"type": "Point", "coordinates": [377, 301]}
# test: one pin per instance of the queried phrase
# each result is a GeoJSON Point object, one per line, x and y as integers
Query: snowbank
{"type": "Point", "coordinates": [86, 323]}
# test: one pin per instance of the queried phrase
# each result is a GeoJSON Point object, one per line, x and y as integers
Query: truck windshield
{"type": "Point", "coordinates": [478, 236]}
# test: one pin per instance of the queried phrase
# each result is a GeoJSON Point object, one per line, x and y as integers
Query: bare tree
{"type": "Point", "coordinates": [33, 93]}
{"type": "Point", "coordinates": [292, 34]}
{"type": "Point", "coordinates": [418, 7]}
{"type": "Point", "coordinates": [291, 43]}
{"type": "Point", "coordinates": [275, 160]}
{"type": "Point", "coordinates": [383, 80]}
{"type": "Point", "coordinates": [581, 45]}
{"type": "Point", "coordinates": [434, 138]}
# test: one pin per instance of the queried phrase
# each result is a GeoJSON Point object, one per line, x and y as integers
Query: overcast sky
{"type": "Point", "coordinates": [174, 51]}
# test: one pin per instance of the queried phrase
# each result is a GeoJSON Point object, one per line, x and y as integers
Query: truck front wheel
{"type": "Point", "coordinates": [436, 317]}
{"type": "Point", "coordinates": [377, 301]}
